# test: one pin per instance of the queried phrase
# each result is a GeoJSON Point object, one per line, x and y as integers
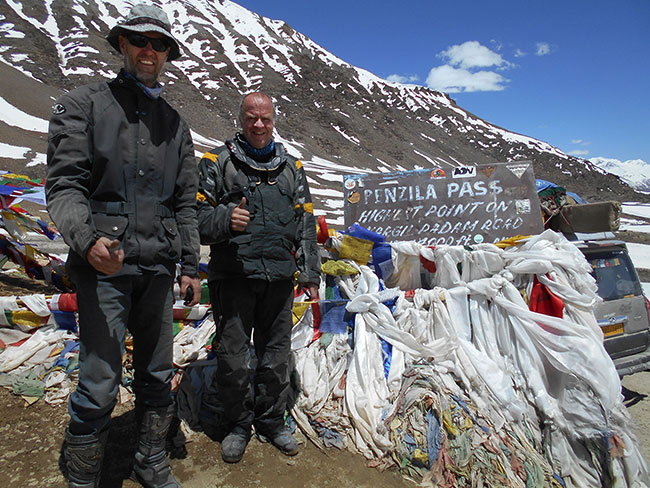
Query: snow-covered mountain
{"type": "Point", "coordinates": [634, 172]}
{"type": "Point", "coordinates": [336, 117]}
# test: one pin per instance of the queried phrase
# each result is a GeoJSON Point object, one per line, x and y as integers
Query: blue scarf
{"type": "Point", "coordinates": [152, 93]}
{"type": "Point", "coordinates": [253, 152]}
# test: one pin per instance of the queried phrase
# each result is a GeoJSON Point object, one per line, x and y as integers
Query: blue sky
{"type": "Point", "coordinates": [573, 73]}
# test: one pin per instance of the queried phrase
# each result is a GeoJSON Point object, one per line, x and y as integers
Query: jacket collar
{"type": "Point", "coordinates": [274, 163]}
{"type": "Point", "coordinates": [128, 80]}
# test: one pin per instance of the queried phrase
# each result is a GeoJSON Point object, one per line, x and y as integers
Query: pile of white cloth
{"type": "Point", "coordinates": [472, 328]}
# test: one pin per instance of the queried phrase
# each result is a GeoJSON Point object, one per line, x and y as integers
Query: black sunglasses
{"type": "Point", "coordinates": [157, 44]}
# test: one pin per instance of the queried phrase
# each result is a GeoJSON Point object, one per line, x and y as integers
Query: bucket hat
{"type": "Point", "coordinates": [145, 18]}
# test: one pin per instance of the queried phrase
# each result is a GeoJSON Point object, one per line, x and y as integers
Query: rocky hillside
{"type": "Point", "coordinates": [336, 117]}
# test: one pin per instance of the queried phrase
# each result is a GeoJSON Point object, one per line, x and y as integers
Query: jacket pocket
{"type": "Point", "coordinates": [287, 216]}
{"type": "Point", "coordinates": [171, 232]}
{"type": "Point", "coordinates": [241, 246]}
{"type": "Point", "coordinates": [170, 226]}
{"type": "Point", "coordinates": [111, 226]}
{"type": "Point", "coordinates": [288, 223]}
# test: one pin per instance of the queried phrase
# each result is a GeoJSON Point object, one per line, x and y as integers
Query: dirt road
{"type": "Point", "coordinates": [636, 389]}
{"type": "Point", "coordinates": [31, 439]}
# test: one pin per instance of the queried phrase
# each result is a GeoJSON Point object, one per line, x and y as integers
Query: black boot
{"type": "Point", "coordinates": [151, 467]}
{"type": "Point", "coordinates": [81, 459]}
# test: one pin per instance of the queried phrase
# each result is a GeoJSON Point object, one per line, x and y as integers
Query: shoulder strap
{"type": "Point", "coordinates": [229, 172]}
{"type": "Point", "coordinates": [235, 182]}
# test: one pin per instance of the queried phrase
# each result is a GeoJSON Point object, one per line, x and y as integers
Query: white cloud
{"type": "Point", "coordinates": [403, 79]}
{"type": "Point", "coordinates": [580, 142]}
{"type": "Point", "coordinates": [579, 152]}
{"type": "Point", "coordinates": [454, 80]}
{"type": "Point", "coordinates": [472, 54]}
{"type": "Point", "coordinates": [543, 48]}
{"type": "Point", "coordinates": [465, 69]}
{"type": "Point", "coordinates": [519, 53]}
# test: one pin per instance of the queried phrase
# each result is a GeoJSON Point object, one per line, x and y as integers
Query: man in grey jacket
{"type": "Point", "coordinates": [121, 188]}
{"type": "Point", "coordinates": [255, 211]}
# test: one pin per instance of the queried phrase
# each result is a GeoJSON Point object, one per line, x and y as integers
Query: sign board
{"type": "Point", "coordinates": [464, 205]}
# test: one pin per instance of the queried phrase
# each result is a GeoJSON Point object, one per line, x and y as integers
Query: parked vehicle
{"type": "Point", "coordinates": [624, 314]}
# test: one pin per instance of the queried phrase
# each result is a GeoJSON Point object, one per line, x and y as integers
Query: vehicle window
{"type": "Point", "coordinates": [614, 274]}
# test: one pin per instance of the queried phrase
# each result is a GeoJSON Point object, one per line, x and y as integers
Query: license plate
{"type": "Point", "coordinates": [612, 330]}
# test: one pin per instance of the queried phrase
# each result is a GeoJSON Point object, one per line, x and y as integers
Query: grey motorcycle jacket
{"type": "Point", "coordinates": [122, 165]}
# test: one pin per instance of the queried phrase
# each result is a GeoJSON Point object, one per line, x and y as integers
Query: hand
{"type": "Point", "coordinates": [105, 256]}
{"type": "Point", "coordinates": [239, 217]}
{"type": "Point", "coordinates": [195, 285]}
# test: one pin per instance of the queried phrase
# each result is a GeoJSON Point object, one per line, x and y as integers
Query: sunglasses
{"type": "Point", "coordinates": [157, 44]}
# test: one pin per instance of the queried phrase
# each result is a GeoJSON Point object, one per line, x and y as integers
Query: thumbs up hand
{"type": "Point", "coordinates": [239, 217]}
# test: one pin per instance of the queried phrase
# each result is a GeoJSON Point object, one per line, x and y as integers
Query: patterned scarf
{"type": "Point", "coordinates": [253, 152]}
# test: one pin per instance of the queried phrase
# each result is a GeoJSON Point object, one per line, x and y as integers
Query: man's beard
{"type": "Point", "coordinates": [144, 78]}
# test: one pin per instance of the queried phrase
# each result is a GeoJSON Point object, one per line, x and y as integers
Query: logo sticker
{"type": "Point", "coordinates": [438, 173]}
{"type": "Point", "coordinates": [488, 170]}
{"type": "Point", "coordinates": [58, 109]}
{"type": "Point", "coordinates": [478, 238]}
{"type": "Point", "coordinates": [354, 197]}
{"type": "Point", "coordinates": [464, 172]}
{"type": "Point", "coordinates": [349, 183]}
{"type": "Point", "coordinates": [518, 169]}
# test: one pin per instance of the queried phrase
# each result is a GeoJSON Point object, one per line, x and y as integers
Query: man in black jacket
{"type": "Point", "coordinates": [121, 188]}
{"type": "Point", "coordinates": [256, 213]}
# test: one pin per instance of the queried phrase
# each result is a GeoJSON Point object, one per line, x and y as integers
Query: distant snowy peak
{"type": "Point", "coordinates": [635, 172]}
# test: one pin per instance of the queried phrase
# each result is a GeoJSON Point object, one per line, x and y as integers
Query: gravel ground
{"type": "Point", "coordinates": [31, 438]}
{"type": "Point", "coordinates": [636, 390]}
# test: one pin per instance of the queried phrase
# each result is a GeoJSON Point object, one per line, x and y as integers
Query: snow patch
{"type": "Point", "coordinates": [17, 118]}
{"type": "Point", "coordinates": [347, 136]}
{"type": "Point", "coordinates": [13, 152]}
{"type": "Point", "coordinates": [640, 254]}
